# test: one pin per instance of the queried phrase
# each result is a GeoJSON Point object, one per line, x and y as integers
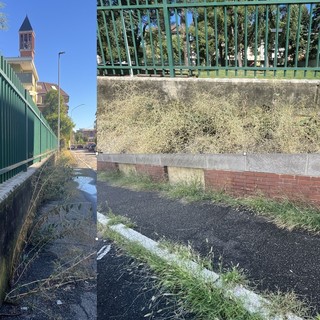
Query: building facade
{"type": "Point", "coordinates": [43, 88]}
{"type": "Point", "coordinates": [24, 65]}
{"type": "Point", "coordinates": [25, 68]}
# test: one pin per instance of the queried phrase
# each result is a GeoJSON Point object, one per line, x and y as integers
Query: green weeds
{"type": "Point", "coordinates": [190, 291]}
{"type": "Point", "coordinates": [284, 213]}
{"type": "Point", "coordinates": [117, 219]}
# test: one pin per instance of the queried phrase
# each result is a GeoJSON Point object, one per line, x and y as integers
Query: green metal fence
{"type": "Point", "coordinates": [25, 136]}
{"type": "Point", "coordinates": [209, 38]}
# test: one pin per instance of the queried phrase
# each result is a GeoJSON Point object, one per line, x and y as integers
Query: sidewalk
{"type": "Point", "coordinates": [272, 258]}
{"type": "Point", "coordinates": [69, 261]}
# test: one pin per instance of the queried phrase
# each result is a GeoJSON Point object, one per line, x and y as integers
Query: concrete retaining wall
{"type": "Point", "coordinates": [15, 196]}
{"type": "Point", "coordinates": [294, 176]}
{"type": "Point", "coordinates": [256, 92]}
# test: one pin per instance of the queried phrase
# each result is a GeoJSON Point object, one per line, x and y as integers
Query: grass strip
{"type": "Point", "coordinates": [284, 213]}
{"type": "Point", "coordinates": [184, 276]}
{"type": "Point", "coordinates": [198, 296]}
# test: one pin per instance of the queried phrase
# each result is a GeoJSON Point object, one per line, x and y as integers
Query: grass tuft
{"type": "Point", "coordinates": [117, 219]}
{"type": "Point", "coordinates": [134, 180]}
{"type": "Point", "coordinates": [287, 303]}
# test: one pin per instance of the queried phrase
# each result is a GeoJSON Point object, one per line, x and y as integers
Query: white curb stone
{"type": "Point", "coordinates": [252, 302]}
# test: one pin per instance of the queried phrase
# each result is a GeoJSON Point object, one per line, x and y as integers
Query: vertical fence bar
{"type": "Point", "coordinates": [236, 39]}
{"type": "Point", "coordinates": [178, 37]}
{"type": "Point", "coordinates": [141, 25]}
{"type": "Point", "coordinates": [136, 59]}
{"type": "Point", "coordinates": [116, 36]}
{"type": "Point", "coordinates": [226, 39]}
{"type": "Point", "coordinates": [287, 39]}
{"type": "Point", "coordinates": [125, 38]}
{"type": "Point", "coordinates": [245, 39]}
{"type": "Point", "coordinates": [187, 40]}
{"type": "Point", "coordinates": [206, 38]}
{"type": "Point", "coordinates": [318, 54]}
{"type": "Point", "coordinates": [256, 21]}
{"type": "Point", "coordinates": [197, 39]}
{"type": "Point", "coordinates": [266, 42]}
{"type": "Point", "coordinates": [151, 42]}
{"type": "Point", "coordinates": [216, 41]}
{"type": "Point", "coordinates": [308, 41]}
{"type": "Point", "coordinates": [168, 37]}
{"type": "Point", "coordinates": [160, 41]}
{"type": "Point", "coordinates": [297, 42]}
{"type": "Point", "coordinates": [108, 40]}
{"type": "Point", "coordinates": [276, 43]}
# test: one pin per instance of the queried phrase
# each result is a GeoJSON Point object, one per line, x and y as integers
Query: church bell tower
{"type": "Point", "coordinates": [26, 39]}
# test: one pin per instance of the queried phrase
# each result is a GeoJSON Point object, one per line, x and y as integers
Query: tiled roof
{"type": "Point", "coordinates": [45, 87]}
{"type": "Point", "coordinates": [26, 25]}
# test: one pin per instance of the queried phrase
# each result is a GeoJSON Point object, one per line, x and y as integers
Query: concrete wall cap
{"type": "Point", "coordinates": [278, 163]}
{"type": "Point", "coordinates": [102, 80]}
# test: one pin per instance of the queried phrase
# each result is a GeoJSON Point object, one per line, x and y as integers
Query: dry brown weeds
{"type": "Point", "coordinates": [137, 122]}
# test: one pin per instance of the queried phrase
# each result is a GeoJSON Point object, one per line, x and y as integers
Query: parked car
{"type": "Point", "coordinates": [79, 146]}
{"type": "Point", "coordinates": [92, 147]}
{"type": "Point", "coordinates": [72, 147]}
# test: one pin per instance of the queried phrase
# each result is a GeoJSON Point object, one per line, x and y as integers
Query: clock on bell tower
{"type": "Point", "coordinates": [26, 39]}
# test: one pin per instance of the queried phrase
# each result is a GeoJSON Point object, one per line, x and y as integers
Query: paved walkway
{"type": "Point", "coordinates": [76, 249]}
{"type": "Point", "coordinates": [272, 258]}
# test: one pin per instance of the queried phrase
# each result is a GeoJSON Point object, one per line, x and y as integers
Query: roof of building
{"type": "Point", "coordinates": [45, 87]}
{"type": "Point", "coordinates": [26, 25]}
{"type": "Point", "coordinates": [26, 64]}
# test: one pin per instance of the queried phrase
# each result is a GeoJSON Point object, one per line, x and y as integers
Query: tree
{"type": "Point", "coordinates": [114, 38]}
{"type": "Point", "coordinates": [3, 19]}
{"type": "Point", "coordinates": [50, 113]}
{"type": "Point", "coordinates": [293, 50]}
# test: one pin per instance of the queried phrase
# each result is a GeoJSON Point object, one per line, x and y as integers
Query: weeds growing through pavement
{"type": "Point", "coordinates": [189, 291]}
{"type": "Point", "coordinates": [117, 219]}
{"type": "Point", "coordinates": [286, 303]}
{"type": "Point", "coordinates": [284, 213]}
{"type": "Point", "coordinates": [190, 294]}
{"type": "Point", "coordinates": [43, 226]}
{"type": "Point", "coordinates": [132, 180]}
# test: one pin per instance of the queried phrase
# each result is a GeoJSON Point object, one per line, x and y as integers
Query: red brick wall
{"type": "Point", "coordinates": [241, 183]}
{"type": "Point", "coordinates": [270, 184]}
{"type": "Point", "coordinates": [157, 173]}
{"type": "Point", "coordinates": [107, 166]}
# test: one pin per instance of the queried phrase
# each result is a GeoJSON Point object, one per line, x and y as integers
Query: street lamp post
{"type": "Point", "coordinates": [59, 54]}
{"type": "Point", "coordinates": [82, 104]}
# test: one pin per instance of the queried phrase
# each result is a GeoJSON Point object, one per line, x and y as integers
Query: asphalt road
{"type": "Point", "coordinates": [85, 158]}
{"type": "Point", "coordinates": [273, 259]}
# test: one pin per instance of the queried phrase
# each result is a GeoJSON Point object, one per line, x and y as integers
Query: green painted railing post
{"type": "Point", "coordinates": [168, 37]}
{"type": "Point", "coordinates": [26, 131]}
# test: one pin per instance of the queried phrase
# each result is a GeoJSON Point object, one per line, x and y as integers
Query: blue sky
{"type": "Point", "coordinates": [61, 25]}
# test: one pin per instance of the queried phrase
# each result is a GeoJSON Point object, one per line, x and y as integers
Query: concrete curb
{"type": "Point", "coordinates": [252, 302]}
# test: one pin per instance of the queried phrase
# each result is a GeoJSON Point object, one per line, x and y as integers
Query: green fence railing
{"type": "Point", "coordinates": [25, 136]}
{"type": "Point", "coordinates": [266, 38]}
